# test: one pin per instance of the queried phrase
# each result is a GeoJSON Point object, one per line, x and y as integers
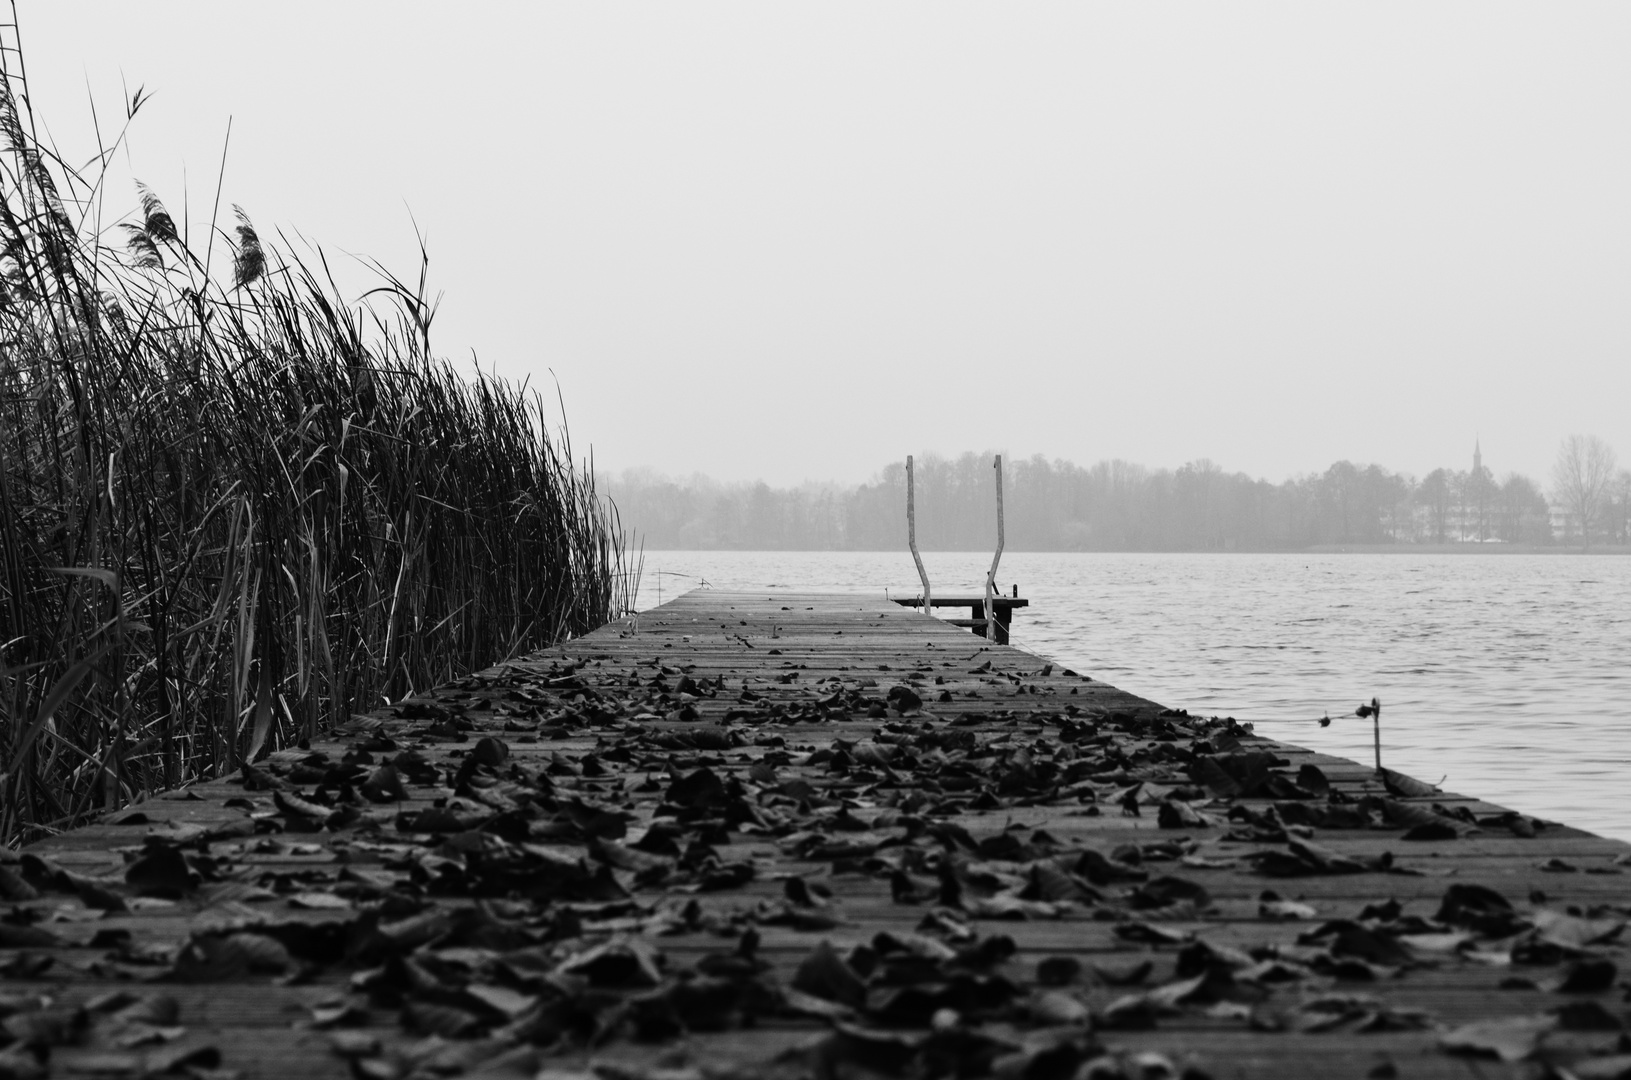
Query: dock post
{"type": "Point", "coordinates": [911, 535]}
{"type": "Point", "coordinates": [992, 631]}
{"type": "Point", "coordinates": [1376, 729]}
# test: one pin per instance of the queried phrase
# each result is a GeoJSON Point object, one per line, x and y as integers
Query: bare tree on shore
{"type": "Point", "coordinates": [1580, 480]}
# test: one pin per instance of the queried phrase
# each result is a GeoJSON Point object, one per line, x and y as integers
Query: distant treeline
{"type": "Point", "coordinates": [1110, 506]}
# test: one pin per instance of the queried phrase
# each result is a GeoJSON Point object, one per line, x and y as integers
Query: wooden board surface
{"type": "Point", "coordinates": [776, 834]}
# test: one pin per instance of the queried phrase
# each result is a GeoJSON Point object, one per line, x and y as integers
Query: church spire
{"type": "Point", "coordinates": [1477, 456]}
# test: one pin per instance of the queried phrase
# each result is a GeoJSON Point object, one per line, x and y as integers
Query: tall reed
{"type": "Point", "coordinates": [235, 507]}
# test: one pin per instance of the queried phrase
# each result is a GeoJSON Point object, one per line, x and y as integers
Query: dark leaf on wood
{"type": "Point", "coordinates": [1099, 870]}
{"type": "Point", "coordinates": [1127, 975]}
{"type": "Point", "coordinates": [194, 1061]}
{"type": "Point", "coordinates": [489, 751]}
{"type": "Point", "coordinates": [931, 951]}
{"type": "Point", "coordinates": [798, 1003]}
{"type": "Point", "coordinates": [500, 1000]}
{"type": "Point", "coordinates": [160, 871]}
{"type": "Point", "coordinates": [1176, 814]}
{"type": "Point", "coordinates": [884, 1053]}
{"type": "Point", "coordinates": [352, 1044]}
{"type": "Point", "coordinates": [383, 785]}
{"type": "Point", "coordinates": [825, 974]}
{"type": "Point", "coordinates": [13, 936]}
{"type": "Point", "coordinates": [1303, 859]}
{"type": "Point", "coordinates": [1207, 987]}
{"type": "Point", "coordinates": [338, 1014]}
{"type": "Point", "coordinates": [23, 1062]}
{"type": "Point", "coordinates": [160, 1010]}
{"type": "Point", "coordinates": [797, 891]}
{"type": "Point", "coordinates": [619, 963]}
{"type": "Point", "coordinates": [699, 789]}
{"type": "Point", "coordinates": [903, 890]}
{"type": "Point", "coordinates": [47, 1027]}
{"type": "Point", "coordinates": [1608, 1067]}
{"type": "Point", "coordinates": [429, 1018]}
{"type": "Point", "coordinates": [1009, 906]}
{"type": "Point", "coordinates": [1277, 908]}
{"type": "Point", "coordinates": [1512, 821]}
{"type": "Point", "coordinates": [1406, 787]}
{"type": "Point", "coordinates": [26, 965]}
{"type": "Point", "coordinates": [1053, 1054]}
{"type": "Point", "coordinates": [437, 819]}
{"type": "Point", "coordinates": [1050, 883]}
{"type": "Point", "coordinates": [1511, 1038]}
{"type": "Point", "coordinates": [719, 877]}
{"type": "Point", "coordinates": [1344, 1012]}
{"type": "Point", "coordinates": [1431, 830]}
{"type": "Point", "coordinates": [14, 887]}
{"type": "Point", "coordinates": [1372, 946]}
{"type": "Point", "coordinates": [662, 838]}
{"type": "Point", "coordinates": [464, 1057]}
{"type": "Point", "coordinates": [1591, 975]}
{"type": "Point", "coordinates": [1056, 1008]}
{"type": "Point", "coordinates": [517, 1063]}
{"type": "Point", "coordinates": [292, 805]}
{"type": "Point", "coordinates": [1150, 934]}
{"type": "Point", "coordinates": [1478, 907]}
{"type": "Point", "coordinates": [904, 699]}
{"type": "Point", "coordinates": [1167, 891]}
{"type": "Point", "coordinates": [1587, 1016]}
{"type": "Point", "coordinates": [379, 1068]}
{"type": "Point", "coordinates": [223, 958]}
{"type": "Point", "coordinates": [1404, 815]}
{"type": "Point", "coordinates": [1134, 1012]}
{"type": "Point", "coordinates": [95, 895]}
{"type": "Point", "coordinates": [1199, 956]}
{"type": "Point", "coordinates": [1058, 970]}
{"type": "Point", "coordinates": [258, 779]}
{"type": "Point", "coordinates": [1242, 774]}
{"type": "Point", "coordinates": [597, 822]}
{"type": "Point", "coordinates": [1312, 779]}
{"type": "Point", "coordinates": [629, 858]}
{"type": "Point", "coordinates": [1572, 932]}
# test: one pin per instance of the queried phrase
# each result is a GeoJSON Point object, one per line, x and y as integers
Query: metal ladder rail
{"type": "Point", "coordinates": [991, 574]}
{"type": "Point", "coordinates": [911, 537]}
{"type": "Point", "coordinates": [990, 613]}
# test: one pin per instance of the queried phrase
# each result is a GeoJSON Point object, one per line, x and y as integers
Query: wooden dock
{"type": "Point", "coordinates": [793, 835]}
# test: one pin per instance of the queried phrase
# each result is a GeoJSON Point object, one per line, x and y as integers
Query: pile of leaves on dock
{"type": "Point", "coordinates": [538, 868]}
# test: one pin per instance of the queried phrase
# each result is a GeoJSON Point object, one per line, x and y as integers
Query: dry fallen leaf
{"type": "Point", "coordinates": [1510, 1038]}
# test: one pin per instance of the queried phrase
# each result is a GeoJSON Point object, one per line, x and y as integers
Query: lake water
{"type": "Point", "coordinates": [1506, 677]}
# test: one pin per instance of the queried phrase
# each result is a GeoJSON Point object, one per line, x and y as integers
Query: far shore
{"type": "Point", "coordinates": [1464, 549]}
{"type": "Point", "coordinates": [1316, 549]}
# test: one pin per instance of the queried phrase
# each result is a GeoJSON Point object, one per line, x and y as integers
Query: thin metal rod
{"type": "Point", "coordinates": [911, 534]}
{"type": "Point", "coordinates": [991, 575]}
{"type": "Point", "coordinates": [1376, 728]}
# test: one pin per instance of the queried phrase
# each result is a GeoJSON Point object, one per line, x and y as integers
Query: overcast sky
{"type": "Point", "coordinates": [790, 241]}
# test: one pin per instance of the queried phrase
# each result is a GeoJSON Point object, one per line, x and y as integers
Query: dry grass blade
{"type": "Point", "coordinates": [22, 741]}
{"type": "Point", "coordinates": [273, 506]}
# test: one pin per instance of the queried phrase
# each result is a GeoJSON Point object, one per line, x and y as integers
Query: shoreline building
{"type": "Point", "coordinates": [1472, 508]}
{"type": "Point", "coordinates": [1477, 500]}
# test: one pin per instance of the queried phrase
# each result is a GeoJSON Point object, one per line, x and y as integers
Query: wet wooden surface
{"type": "Point", "coordinates": [773, 834]}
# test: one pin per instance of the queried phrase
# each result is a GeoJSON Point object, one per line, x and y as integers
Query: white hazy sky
{"type": "Point", "coordinates": [795, 241]}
